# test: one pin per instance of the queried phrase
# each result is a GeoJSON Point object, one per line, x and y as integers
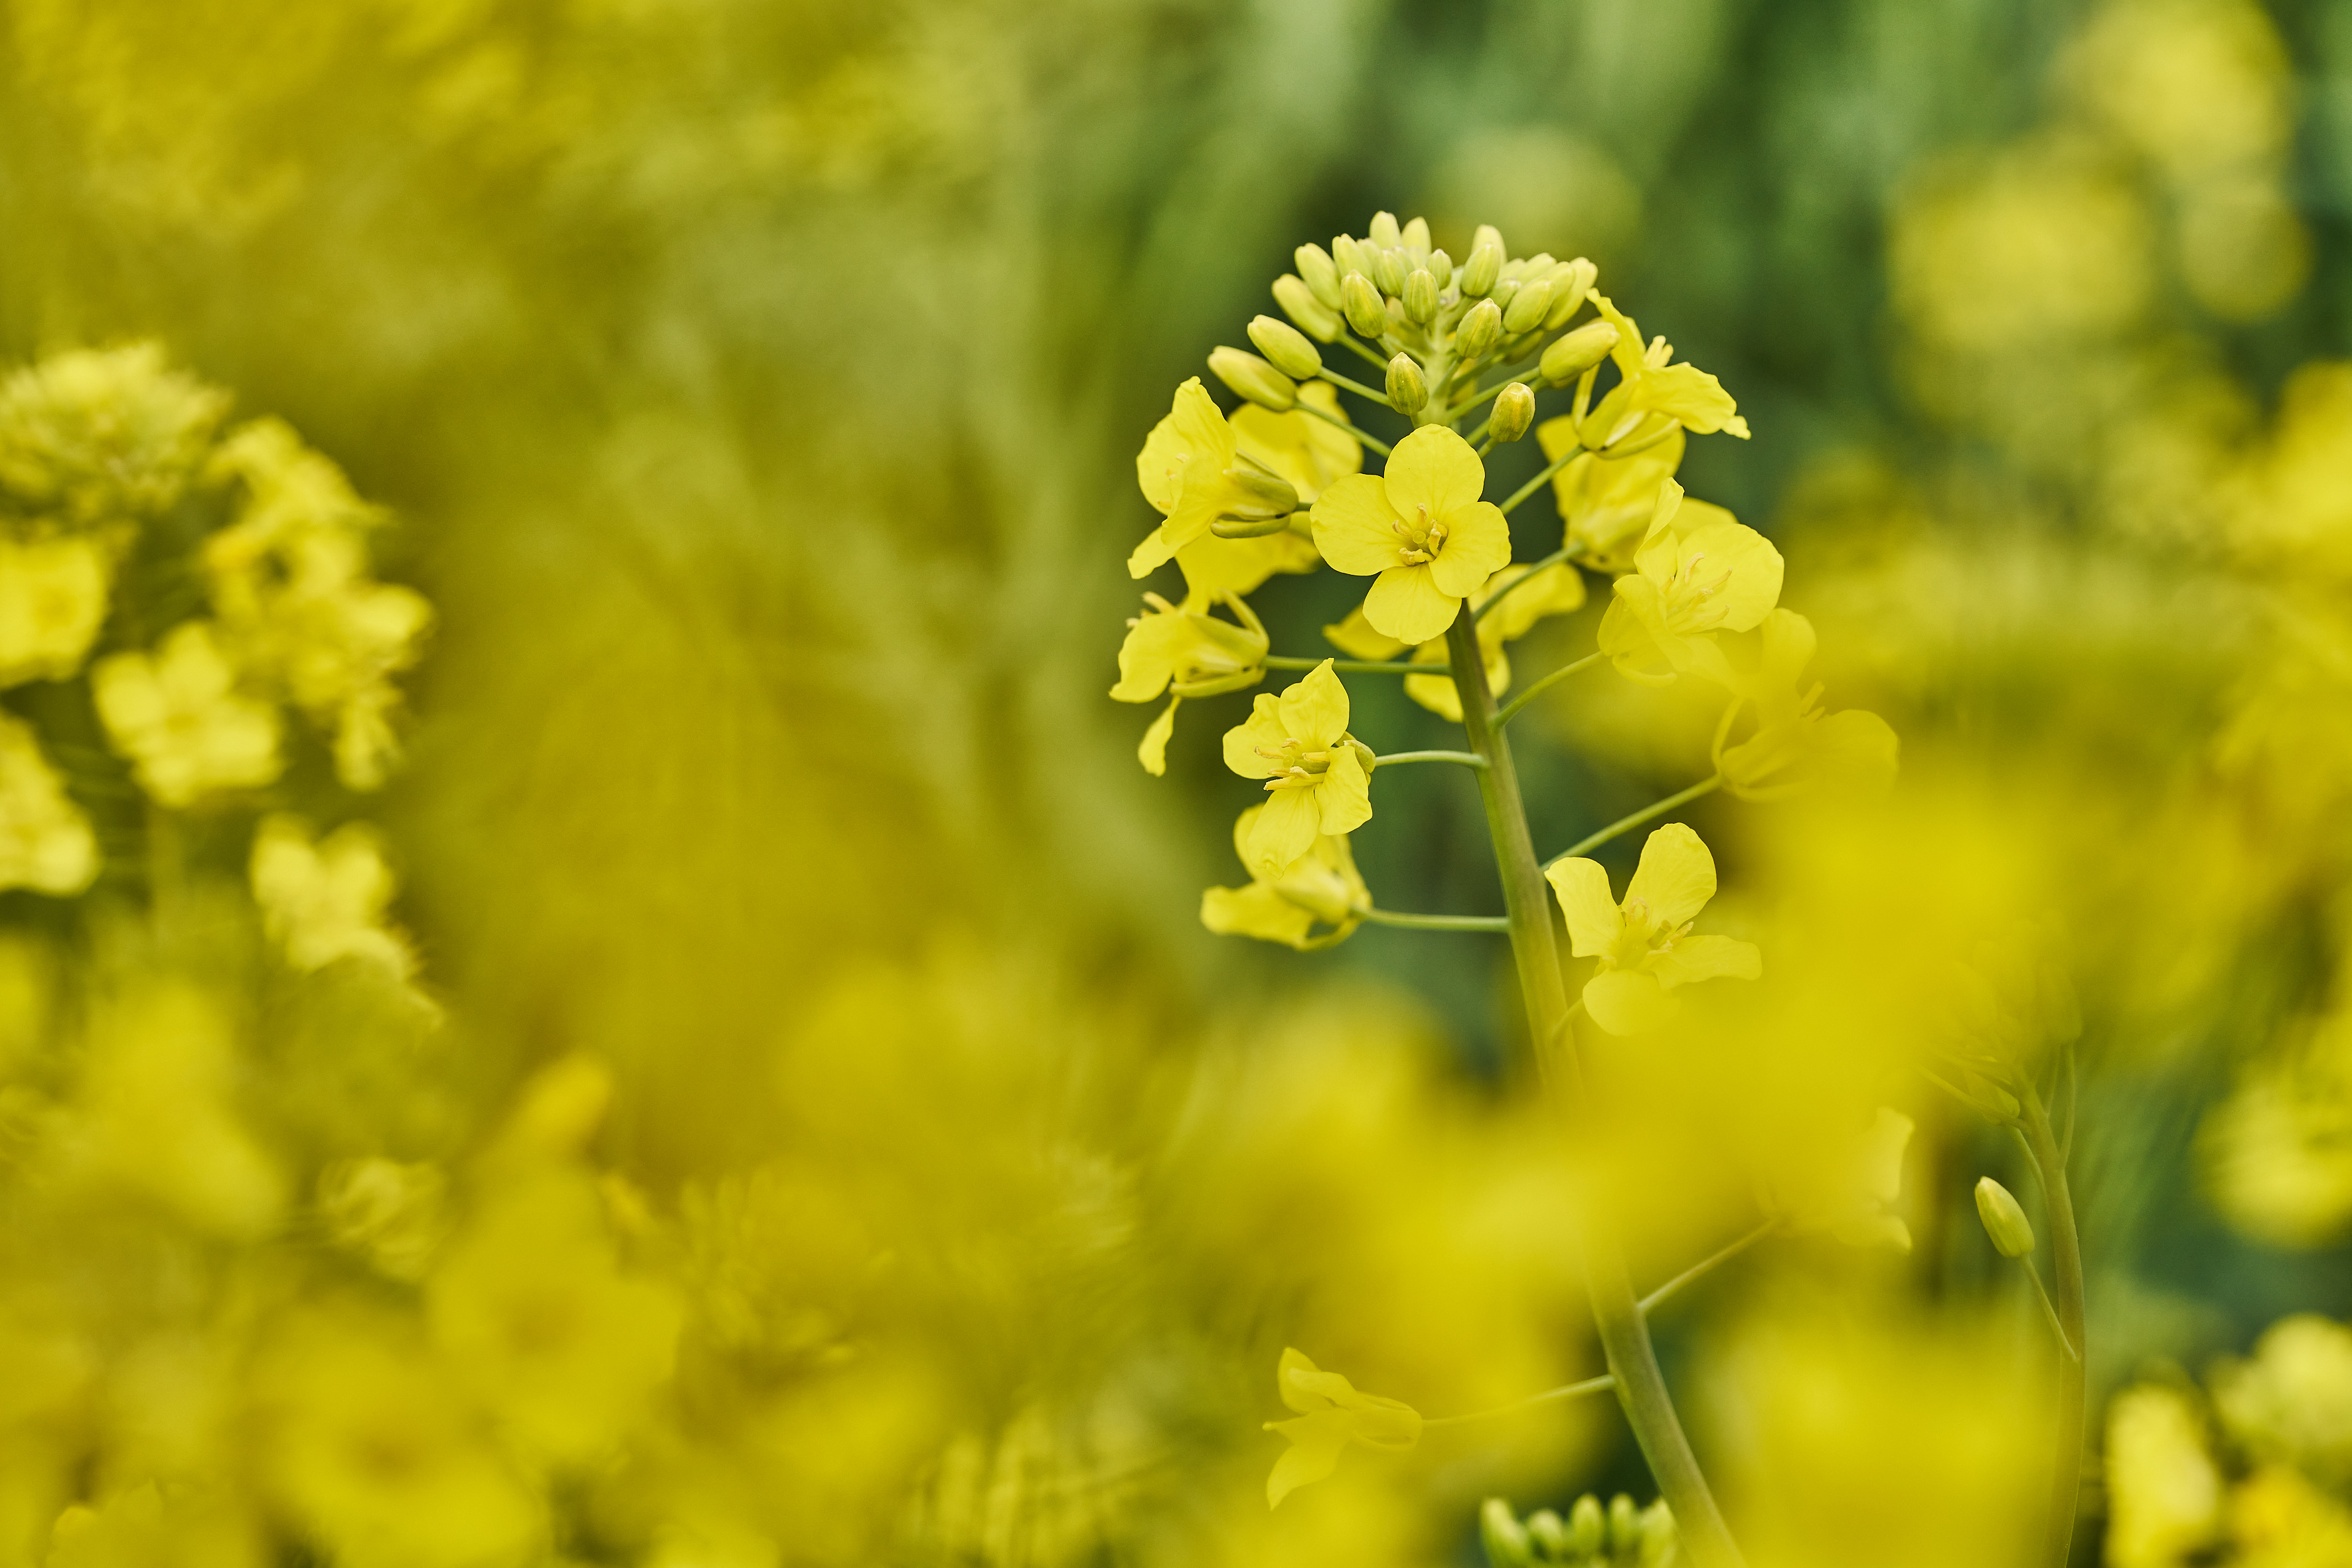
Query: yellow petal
{"type": "Point", "coordinates": [1147, 557]}
{"type": "Point", "coordinates": [1256, 910]}
{"type": "Point", "coordinates": [1261, 730]}
{"type": "Point", "coordinates": [1355, 526]}
{"type": "Point", "coordinates": [1688, 396]}
{"type": "Point", "coordinates": [1593, 918]}
{"type": "Point", "coordinates": [1344, 799]}
{"type": "Point", "coordinates": [1408, 605]}
{"type": "Point", "coordinates": [1752, 565]}
{"type": "Point", "coordinates": [1355, 638]}
{"type": "Point", "coordinates": [1284, 829]}
{"type": "Point", "coordinates": [1629, 633]}
{"type": "Point", "coordinates": [1478, 545]}
{"type": "Point", "coordinates": [1556, 590]}
{"type": "Point", "coordinates": [1147, 657]}
{"type": "Point", "coordinates": [1153, 753]}
{"type": "Point", "coordinates": [1211, 565]}
{"type": "Point", "coordinates": [1314, 711]}
{"type": "Point", "coordinates": [1434, 468]}
{"type": "Point", "coordinates": [1306, 1387]}
{"type": "Point", "coordinates": [1627, 1002]}
{"type": "Point", "coordinates": [1697, 958]}
{"type": "Point", "coordinates": [1675, 878]}
{"type": "Point", "coordinates": [1312, 1454]}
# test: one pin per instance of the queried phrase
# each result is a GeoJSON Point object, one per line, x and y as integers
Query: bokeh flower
{"type": "Point", "coordinates": [1332, 1415]}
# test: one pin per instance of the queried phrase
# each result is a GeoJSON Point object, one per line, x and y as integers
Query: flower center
{"type": "Point", "coordinates": [1295, 766]}
{"type": "Point", "coordinates": [1645, 936]}
{"type": "Point", "coordinates": [1422, 539]}
{"type": "Point", "coordinates": [1690, 594]}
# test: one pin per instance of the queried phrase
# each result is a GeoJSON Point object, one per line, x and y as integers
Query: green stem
{"type": "Point", "coordinates": [1356, 666]}
{"type": "Point", "coordinates": [1589, 1386]}
{"type": "Point", "coordinates": [1467, 759]}
{"type": "Point", "coordinates": [1376, 444]}
{"type": "Point", "coordinates": [1533, 485]}
{"type": "Point", "coordinates": [1635, 819]}
{"type": "Point", "coordinates": [1512, 709]}
{"type": "Point", "coordinates": [2066, 1252]}
{"type": "Point", "coordinates": [2049, 1308]}
{"type": "Point", "coordinates": [1347, 340]}
{"type": "Point", "coordinates": [1434, 922]}
{"type": "Point", "coordinates": [1358, 387]}
{"type": "Point", "coordinates": [1522, 580]}
{"type": "Point", "coordinates": [1701, 1270]}
{"type": "Point", "coordinates": [1632, 1360]}
{"type": "Point", "coordinates": [1491, 393]}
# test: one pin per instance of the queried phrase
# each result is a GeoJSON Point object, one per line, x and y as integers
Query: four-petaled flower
{"type": "Point", "coordinates": [1332, 1415]}
{"type": "Point", "coordinates": [1698, 571]}
{"type": "Point", "coordinates": [1654, 392]}
{"type": "Point", "coordinates": [1317, 774]}
{"type": "Point", "coordinates": [1192, 471]}
{"type": "Point", "coordinates": [1795, 744]}
{"type": "Point", "coordinates": [1645, 945]}
{"type": "Point", "coordinates": [1321, 887]}
{"type": "Point", "coordinates": [1184, 651]}
{"type": "Point", "coordinates": [1557, 590]}
{"type": "Point", "coordinates": [1422, 528]}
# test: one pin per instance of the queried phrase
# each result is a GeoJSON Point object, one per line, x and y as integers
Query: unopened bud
{"type": "Point", "coordinates": [1570, 285]}
{"type": "Point", "coordinates": [1253, 378]}
{"type": "Point", "coordinates": [1420, 296]}
{"type": "Point", "coordinates": [1525, 311]}
{"type": "Point", "coordinates": [1320, 273]}
{"type": "Point", "coordinates": [1505, 1538]}
{"type": "Point", "coordinates": [1255, 492]}
{"type": "Point", "coordinates": [1299, 303]}
{"type": "Point", "coordinates": [1285, 347]}
{"type": "Point", "coordinates": [1367, 311]}
{"type": "Point", "coordinates": [1441, 266]}
{"type": "Point", "coordinates": [1389, 270]}
{"type": "Point", "coordinates": [1415, 235]}
{"type": "Point", "coordinates": [1478, 330]}
{"type": "Point", "coordinates": [1570, 356]}
{"type": "Point", "coordinates": [1514, 410]}
{"type": "Point", "coordinates": [1487, 234]}
{"type": "Point", "coordinates": [1659, 1533]}
{"type": "Point", "coordinates": [1349, 256]}
{"type": "Point", "coordinates": [2012, 1232]}
{"type": "Point", "coordinates": [1246, 528]}
{"type": "Point", "coordinates": [1479, 273]}
{"type": "Point", "coordinates": [1408, 388]}
{"type": "Point", "coordinates": [1383, 232]}
{"type": "Point", "coordinates": [1545, 1529]}
{"type": "Point", "coordinates": [1588, 1529]}
{"type": "Point", "coordinates": [1624, 1524]}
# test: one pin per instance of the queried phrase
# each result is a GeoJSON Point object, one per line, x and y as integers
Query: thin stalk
{"type": "Point", "coordinates": [2066, 1252]}
{"type": "Point", "coordinates": [1641, 1386]}
{"type": "Point", "coordinates": [2049, 1308]}
{"type": "Point", "coordinates": [1358, 387]}
{"type": "Point", "coordinates": [1512, 709]}
{"type": "Point", "coordinates": [1522, 580]}
{"type": "Point", "coordinates": [1488, 395]}
{"type": "Point", "coordinates": [1434, 922]}
{"type": "Point", "coordinates": [1375, 443]}
{"type": "Point", "coordinates": [1467, 759]}
{"type": "Point", "coordinates": [1533, 485]}
{"type": "Point", "coordinates": [1589, 1386]}
{"type": "Point", "coordinates": [1701, 1270]}
{"type": "Point", "coordinates": [1635, 819]}
{"type": "Point", "coordinates": [1346, 339]}
{"type": "Point", "coordinates": [1354, 665]}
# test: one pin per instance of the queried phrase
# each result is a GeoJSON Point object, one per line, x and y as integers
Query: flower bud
{"type": "Point", "coordinates": [1505, 1538]}
{"type": "Point", "coordinates": [1255, 492]}
{"type": "Point", "coordinates": [1253, 378]}
{"type": "Point", "coordinates": [1349, 256]}
{"type": "Point", "coordinates": [1487, 234]}
{"type": "Point", "coordinates": [1514, 410]}
{"type": "Point", "coordinates": [1659, 1533]}
{"type": "Point", "coordinates": [1367, 311]}
{"type": "Point", "coordinates": [1586, 1529]}
{"type": "Point", "coordinates": [1247, 528]}
{"type": "Point", "coordinates": [1388, 271]}
{"type": "Point", "coordinates": [1415, 235]}
{"type": "Point", "coordinates": [1408, 388]}
{"type": "Point", "coordinates": [1285, 346]}
{"type": "Point", "coordinates": [1479, 273]}
{"type": "Point", "coordinates": [1383, 232]}
{"type": "Point", "coordinates": [2012, 1232]}
{"type": "Point", "coordinates": [1570, 285]}
{"type": "Point", "coordinates": [1624, 1524]}
{"type": "Point", "coordinates": [1299, 303]}
{"type": "Point", "coordinates": [1421, 296]}
{"type": "Point", "coordinates": [1570, 356]}
{"type": "Point", "coordinates": [1320, 273]}
{"type": "Point", "coordinates": [1525, 311]}
{"type": "Point", "coordinates": [1441, 266]}
{"type": "Point", "coordinates": [1544, 1527]}
{"type": "Point", "coordinates": [1478, 330]}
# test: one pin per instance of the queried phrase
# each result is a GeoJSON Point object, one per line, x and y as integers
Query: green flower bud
{"type": "Point", "coordinates": [1254, 379]}
{"type": "Point", "coordinates": [1506, 289]}
{"type": "Point", "coordinates": [1570, 285]}
{"type": "Point", "coordinates": [1487, 234]}
{"type": "Point", "coordinates": [1320, 273]}
{"type": "Point", "coordinates": [1570, 356]}
{"type": "Point", "coordinates": [1659, 1533]}
{"type": "Point", "coordinates": [2012, 1232]}
{"type": "Point", "coordinates": [1544, 1527]}
{"type": "Point", "coordinates": [1383, 232]}
{"type": "Point", "coordinates": [1480, 272]}
{"type": "Point", "coordinates": [1246, 528]}
{"type": "Point", "coordinates": [1525, 311]}
{"type": "Point", "coordinates": [1505, 1538]}
{"type": "Point", "coordinates": [1285, 346]}
{"type": "Point", "coordinates": [1586, 1529]}
{"type": "Point", "coordinates": [1514, 410]}
{"type": "Point", "coordinates": [1624, 1524]}
{"type": "Point", "coordinates": [1257, 493]}
{"type": "Point", "coordinates": [1442, 267]}
{"type": "Point", "coordinates": [1299, 303]}
{"type": "Point", "coordinates": [1408, 388]}
{"type": "Point", "coordinates": [1478, 330]}
{"type": "Point", "coordinates": [1389, 270]}
{"type": "Point", "coordinates": [1416, 235]}
{"type": "Point", "coordinates": [1420, 296]}
{"type": "Point", "coordinates": [1349, 256]}
{"type": "Point", "coordinates": [1367, 311]}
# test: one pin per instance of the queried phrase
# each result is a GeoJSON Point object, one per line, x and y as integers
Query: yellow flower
{"type": "Point", "coordinates": [1310, 454]}
{"type": "Point", "coordinates": [2164, 1490]}
{"type": "Point", "coordinates": [1321, 887]}
{"type": "Point", "coordinates": [1186, 649]}
{"type": "Point", "coordinates": [1332, 1415]}
{"type": "Point", "coordinates": [1558, 589]}
{"type": "Point", "coordinates": [1851, 1191]}
{"type": "Point", "coordinates": [52, 601]}
{"type": "Point", "coordinates": [1795, 744]}
{"type": "Point", "coordinates": [99, 435]}
{"type": "Point", "coordinates": [1645, 945]}
{"type": "Point", "coordinates": [46, 843]}
{"type": "Point", "coordinates": [179, 717]}
{"type": "Point", "coordinates": [1421, 527]}
{"type": "Point", "coordinates": [324, 902]}
{"type": "Point", "coordinates": [1654, 392]}
{"type": "Point", "coordinates": [1606, 504]}
{"type": "Point", "coordinates": [1698, 571]}
{"type": "Point", "coordinates": [1317, 774]}
{"type": "Point", "coordinates": [2292, 1402]}
{"type": "Point", "coordinates": [1191, 471]}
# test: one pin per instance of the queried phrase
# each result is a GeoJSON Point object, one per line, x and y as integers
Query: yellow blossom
{"type": "Point", "coordinates": [1606, 504]}
{"type": "Point", "coordinates": [1422, 528]}
{"type": "Point", "coordinates": [2164, 1490]}
{"type": "Point", "coordinates": [179, 717]}
{"type": "Point", "coordinates": [1317, 773]}
{"type": "Point", "coordinates": [1186, 651]}
{"type": "Point", "coordinates": [1557, 590]}
{"type": "Point", "coordinates": [389, 1213]}
{"type": "Point", "coordinates": [2278, 1519]}
{"type": "Point", "coordinates": [1795, 744]}
{"type": "Point", "coordinates": [52, 601]}
{"type": "Point", "coordinates": [326, 901]}
{"type": "Point", "coordinates": [96, 436]}
{"type": "Point", "coordinates": [2293, 1401]}
{"type": "Point", "coordinates": [1332, 1415]}
{"type": "Point", "coordinates": [1698, 571]}
{"type": "Point", "coordinates": [1310, 454]}
{"type": "Point", "coordinates": [1850, 1192]}
{"type": "Point", "coordinates": [46, 842]}
{"type": "Point", "coordinates": [1320, 887]}
{"type": "Point", "coordinates": [1653, 393]}
{"type": "Point", "coordinates": [1645, 945]}
{"type": "Point", "coordinates": [1191, 471]}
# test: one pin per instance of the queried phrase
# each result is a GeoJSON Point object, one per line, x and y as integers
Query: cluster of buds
{"type": "Point", "coordinates": [1592, 1536]}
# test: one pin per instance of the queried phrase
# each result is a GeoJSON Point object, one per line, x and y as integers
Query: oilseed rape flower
{"type": "Point", "coordinates": [1317, 775]}
{"type": "Point", "coordinates": [52, 601]}
{"type": "Point", "coordinates": [2164, 1490]}
{"type": "Point", "coordinates": [45, 841]}
{"type": "Point", "coordinates": [1191, 471]}
{"type": "Point", "coordinates": [1795, 744]}
{"type": "Point", "coordinates": [1184, 651]}
{"type": "Point", "coordinates": [326, 901]}
{"type": "Point", "coordinates": [1644, 944]}
{"type": "Point", "coordinates": [178, 715]}
{"type": "Point", "coordinates": [1554, 590]}
{"type": "Point", "coordinates": [1605, 502]}
{"type": "Point", "coordinates": [1422, 528]}
{"type": "Point", "coordinates": [96, 438]}
{"type": "Point", "coordinates": [1656, 392]}
{"type": "Point", "coordinates": [1698, 572]}
{"type": "Point", "coordinates": [1321, 887]}
{"type": "Point", "coordinates": [1332, 1415]}
{"type": "Point", "coordinates": [1849, 1193]}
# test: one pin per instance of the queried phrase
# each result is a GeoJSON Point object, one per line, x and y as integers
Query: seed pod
{"type": "Point", "coordinates": [1320, 273]}
{"type": "Point", "coordinates": [1479, 273]}
{"type": "Point", "coordinates": [1514, 410]}
{"type": "Point", "coordinates": [2012, 1232]}
{"type": "Point", "coordinates": [1367, 311]}
{"type": "Point", "coordinates": [1408, 388]}
{"type": "Point", "coordinates": [1383, 232]}
{"type": "Point", "coordinates": [1285, 347]}
{"type": "Point", "coordinates": [1301, 306]}
{"type": "Point", "coordinates": [1505, 1538]}
{"type": "Point", "coordinates": [1254, 379]}
{"type": "Point", "coordinates": [1525, 311]}
{"type": "Point", "coordinates": [1478, 331]}
{"type": "Point", "coordinates": [1588, 1529]}
{"type": "Point", "coordinates": [1389, 270]}
{"type": "Point", "coordinates": [1420, 296]}
{"type": "Point", "coordinates": [1570, 285]}
{"type": "Point", "coordinates": [1570, 356]}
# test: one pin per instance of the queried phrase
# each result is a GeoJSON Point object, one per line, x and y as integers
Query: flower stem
{"type": "Point", "coordinates": [1635, 819]}
{"type": "Point", "coordinates": [1358, 387]}
{"type": "Point", "coordinates": [1347, 340]}
{"type": "Point", "coordinates": [1376, 444]}
{"type": "Point", "coordinates": [1435, 922]}
{"type": "Point", "coordinates": [1633, 1361]}
{"type": "Point", "coordinates": [1467, 759]}
{"type": "Point", "coordinates": [1356, 666]}
{"type": "Point", "coordinates": [1589, 1386]}
{"type": "Point", "coordinates": [1499, 595]}
{"type": "Point", "coordinates": [1699, 1270]}
{"type": "Point", "coordinates": [1533, 485]}
{"type": "Point", "coordinates": [1511, 710]}
{"type": "Point", "coordinates": [2066, 1252]}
